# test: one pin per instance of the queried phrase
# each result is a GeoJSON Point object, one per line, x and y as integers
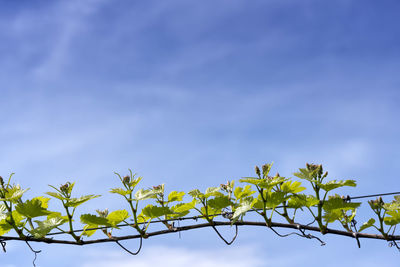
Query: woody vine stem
{"type": "Point", "coordinates": [273, 198]}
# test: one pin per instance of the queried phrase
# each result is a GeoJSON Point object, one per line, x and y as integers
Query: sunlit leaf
{"type": "Point", "coordinates": [32, 208]}
{"type": "Point", "coordinates": [336, 184]}
{"type": "Point", "coordinates": [175, 196]}
{"type": "Point", "coordinates": [367, 224]}
{"type": "Point", "coordinates": [44, 227]}
{"type": "Point", "coordinates": [75, 202]}
{"type": "Point", "coordinates": [117, 217]}
{"type": "Point", "coordinates": [155, 211]}
{"type": "Point", "coordinates": [94, 220]}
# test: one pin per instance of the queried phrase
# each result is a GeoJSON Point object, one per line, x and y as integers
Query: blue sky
{"type": "Point", "coordinates": [192, 93]}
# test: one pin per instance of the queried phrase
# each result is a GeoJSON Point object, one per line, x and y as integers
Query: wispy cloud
{"type": "Point", "coordinates": [180, 257]}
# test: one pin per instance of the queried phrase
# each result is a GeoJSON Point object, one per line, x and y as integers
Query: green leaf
{"type": "Point", "coordinates": [218, 203]}
{"type": "Point", "coordinates": [117, 217]}
{"type": "Point", "coordinates": [336, 184]}
{"type": "Point", "coordinates": [301, 200]}
{"type": "Point", "coordinates": [175, 196]}
{"type": "Point", "coordinates": [14, 193]}
{"type": "Point", "coordinates": [251, 180]}
{"type": "Point", "coordinates": [274, 199]}
{"type": "Point", "coordinates": [394, 219]}
{"type": "Point", "coordinates": [143, 194]}
{"type": "Point", "coordinates": [135, 182]}
{"type": "Point", "coordinates": [75, 202]}
{"type": "Point", "coordinates": [56, 195]}
{"type": "Point", "coordinates": [183, 208]}
{"type": "Point", "coordinates": [337, 202]}
{"type": "Point", "coordinates": [292, 187]}
{"type": "Point", "coordinates": [269, 183]}
{"type": "Point", "coordinates": [367, 224]}
{"type": "Point", "coordinates": [3, 212]}
{"type": "Point", "coordinates": [32, 208]}
{"type": "Point", "coordinates": [243, 192]}
{"type": "Point", "coordinates": [213, 192]}
{"type": "Point", "coordinates": [44, 227]}
{"type": "Point", "coordinates": [196, 194]}
{"type": "Point", "coordinates": [120, 191]}
{"type": "Point", "coordinates": [244, 206]}
{"type": "Point", "coordinates": [332, 215]}
{"type": "Point", "coordinates": [5, 227]}
{"type": "Point", "coordinates": [87, 232]}
{"type": "Point", "coordinates": [94, 220]}
{"type": "Point", "coordinates": [44, 201]}
{"type": "Point", "coordinates": [155, 211]}
{"type": "Point", "coordinates": [306, 174]}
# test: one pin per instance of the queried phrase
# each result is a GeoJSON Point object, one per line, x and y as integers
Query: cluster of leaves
{"type": "Point", "coordinates": [268, 196]}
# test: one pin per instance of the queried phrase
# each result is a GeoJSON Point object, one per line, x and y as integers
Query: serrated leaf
{"type": "Point", "coordinates": [31, 209]}
{"type": "Point", "coordinates": [270, 183]}
{"type": "Point", "coordinates": [336, 184]}
{"type": "Point", "coordinates": [5, 227]}
{"type": "Point", "coordinates": [367, 224]}
{"type": "Point", "coordinates": [117, 217]}
{"type": "Point", "coordinates": [155, 211]}
{"type": "Point", "coordinates": [87, 232]}
{"type": "Point", "coordinates": [301, 200]}
{"type": "Point", "coordinates": [251, 180]}
{"type": "Point", "coordinates": [56, 195]}
{"type": "Point", "coordinates": [44, 227]}
{"type": "Point", "coordinates": [120, 191]}
{"type": "Point", "coordinates": [14, 193]}
{"type": "Point", "coordinates": [244, 206]}
{"type": "Point", "coordinates": [196, 194]}
{"type": "Point", "coordinates": [3, 212]}
{"type": "Point", "coordinates": [218, 203]}
{"type": "Point", "coordinates": [184, 207]}
{"type": "Point", "coordinates": [338, 203]}
{"type": "Point", "coordinates": [213, 192]}
{"type": "Point", "coordinates": [143, 194]}
{"type": "Point", "coordinates": [175, 196]}
{"type": "Point", "coordinates": [292, 187]}
{"type": "Point", "coordinates": [75, 202]}
{"type": "Point", "coordinates": [274, 199]}
{"type": "Point", "coordinates": [394, 217]}
{"type": "Point", "coordinates": [332, 215]}
{"type": "Point", "coordinates": [243, 192]}
{"type": "Point", "coordinates": [94, 220]}
{"type": "Point", "coordinates": [44, 201]}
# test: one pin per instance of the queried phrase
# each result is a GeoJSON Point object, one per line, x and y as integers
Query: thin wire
{"type": "Point", "coordinates": [376, 195]}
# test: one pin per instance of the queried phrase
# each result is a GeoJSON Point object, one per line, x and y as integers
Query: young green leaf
{"type": "Point", "coordinates": [336, 184]}
{"type": "Point", "coordinates": [32, 208]}
{"type": "Point", "coordinates": [218, 203]}
{"type": "Point", "coordinates": [155, 211]}
{"type": "Point", "coordinates": [292, 187]}
{"type": "Point", "coordinates": [240, 192]}
{"type": "Point", "coordinates": [367, 224]}
{"type": "Point", "coordinates": [175, 196]}
{"type": "Point", "coordinates": [120, 191]}
{"type": "Point", "coordinates": [94, 220]}
{"type": "Point", "coordinates": [44, 227]}
{"type": "Point", "coordinates": [75, 202]}
{"type": "Point", "coordinates": [117, 217]}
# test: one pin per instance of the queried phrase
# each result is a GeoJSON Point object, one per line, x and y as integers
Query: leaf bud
{"type": "Point", "coordinates": [1, 180]}
{"type": "Point", "coordinates": [258, 172]}
{"type": "Point", "coordinates": [265, 169]}
{"type": "Point", "coordinates": [126, 179]}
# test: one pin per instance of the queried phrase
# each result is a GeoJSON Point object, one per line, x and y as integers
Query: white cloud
{"type": "Point", "coordinates": [178, 257]}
